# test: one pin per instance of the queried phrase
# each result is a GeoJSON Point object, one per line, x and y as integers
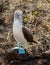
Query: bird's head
{"type": "Point", "coordinates": [18, 13]}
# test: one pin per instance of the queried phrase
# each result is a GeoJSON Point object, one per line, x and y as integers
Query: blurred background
{"type": "Point", "coordinates": [36, 17]}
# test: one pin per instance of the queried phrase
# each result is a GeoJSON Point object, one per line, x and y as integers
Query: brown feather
{"type": "Point", "coordinates": [27, 34]}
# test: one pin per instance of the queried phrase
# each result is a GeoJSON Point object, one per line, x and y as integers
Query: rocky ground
{"type": "Point", "coordinates": [37, 18]}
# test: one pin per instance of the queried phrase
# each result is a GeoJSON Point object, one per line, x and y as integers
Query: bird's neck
{"type": "Point", "coordinates": [18, 21]}
{"type": "Point", "coordinates": [18, 17]}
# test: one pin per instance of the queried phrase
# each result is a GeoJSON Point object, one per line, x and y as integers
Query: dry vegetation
{"type": "Point", "coordinates": [37, 18]}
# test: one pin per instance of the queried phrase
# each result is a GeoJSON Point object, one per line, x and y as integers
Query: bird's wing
{"type": "Point", "coordinates": [27, 34]}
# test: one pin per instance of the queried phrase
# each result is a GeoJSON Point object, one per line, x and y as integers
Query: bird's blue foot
{"type": "Point", "coordinates": [21, 51]}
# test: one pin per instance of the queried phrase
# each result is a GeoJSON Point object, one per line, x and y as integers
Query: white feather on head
{"type": "Point", "coordinates": [18, 12]}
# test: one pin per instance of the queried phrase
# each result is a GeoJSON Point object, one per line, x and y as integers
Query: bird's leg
{"type": "Point", "coordinates": [20, 50]}
{"type": "Point", "coordinates": [18, 45]}
{"type": "Point", "coordinates": [25, 45]}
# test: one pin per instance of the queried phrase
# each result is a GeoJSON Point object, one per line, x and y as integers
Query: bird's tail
{"type": "Point", "coordinates": [34, 41]}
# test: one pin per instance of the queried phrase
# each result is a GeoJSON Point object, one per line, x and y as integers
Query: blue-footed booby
{"type": "Point", "coordinates": [21, 33]}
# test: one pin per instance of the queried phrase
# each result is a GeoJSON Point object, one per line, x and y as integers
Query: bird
{"type": "Point", "coordinates": [21, 33]}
